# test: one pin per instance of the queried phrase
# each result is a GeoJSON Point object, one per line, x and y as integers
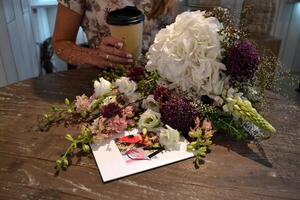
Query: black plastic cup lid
{"type": "Point", "coordinates": [125, 16]}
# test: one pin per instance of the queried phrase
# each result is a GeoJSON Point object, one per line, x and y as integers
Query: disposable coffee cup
{"type": "Point", "coordinates": [127, 24]}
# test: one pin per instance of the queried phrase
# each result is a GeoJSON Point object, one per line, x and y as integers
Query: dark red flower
{"type": "Point", "coordinates": [136, 73]}
{"type": "Point", "coordinates": [242, 61]}
{"type": "Point", "coordinates": [162, 94]}
{"type": "Point", "coordinates": [110, 110]}
{"type": "Point", "coordinates": [179, 114]}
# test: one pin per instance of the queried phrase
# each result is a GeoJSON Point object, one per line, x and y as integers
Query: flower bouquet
{"type": "Point", "coordinates": [199, 80]}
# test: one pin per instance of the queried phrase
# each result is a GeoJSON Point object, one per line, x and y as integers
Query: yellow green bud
{"type": "Point", "coordinates": [86, 148]}
{"type": "Point", "coordinates": [237, 107]}
{"type": "Point", "coordinates": [65, 163]}
{"type": "Point", "coordinates": [67, 101]}
{"type": "Point", "coordinates": [190, 148]}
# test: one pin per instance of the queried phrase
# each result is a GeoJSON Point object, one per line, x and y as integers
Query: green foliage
{"type": "Point", "coordinates": [81, 143]}
{"type": "Point", "coordinates": [56, 115]}
{"type": "Point", "coordinates": [148, 84]}
{"type": "Point", "coordinates": [224, 122]}
{"type": "Point", "coordinates": [67, 113]}
{"type": "Point", "coordinates": [253, 94]}
{"type": "Point", "coordinates": [112, 74]}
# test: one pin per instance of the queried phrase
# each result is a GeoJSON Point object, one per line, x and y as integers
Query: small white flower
{"type": "Point", "coordinates": [149, 119]}
{"type": "Point", "coordinates": [126, 86]}
{"type": "Point", "coordinates": [150, 103]}
{"type": "Point", "coordinates": [169, 138]}
{"type": "Point", "coordinates": [102, 87]}
{"type": "Point", "coordinates": [219, 100]}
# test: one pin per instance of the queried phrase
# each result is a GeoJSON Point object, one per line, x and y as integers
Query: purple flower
{"type": "Point", "coordinates": [136, 73]}
{"type": "Point", "coordinates": [179, 114]}
{"type": "Point", "coordinates": [110, 110]}
{"type": "Point", "coordinates": [242, 61]}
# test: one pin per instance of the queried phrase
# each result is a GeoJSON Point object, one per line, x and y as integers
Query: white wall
{"type": "Point", "coordinates": [296, 23]}
{"type": "Point", "coordinates": [19, 60]}
{"type": "Point", "coordinates": [287, 28]}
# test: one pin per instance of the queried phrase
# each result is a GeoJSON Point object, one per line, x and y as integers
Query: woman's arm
{"type": "Point", "coordinates": [67, 24]}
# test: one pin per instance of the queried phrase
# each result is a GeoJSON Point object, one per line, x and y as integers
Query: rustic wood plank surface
{"type": "Point", "coordinates": [232, 170]}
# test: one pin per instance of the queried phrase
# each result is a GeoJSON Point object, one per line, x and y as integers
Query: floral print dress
{"type": "Point", "coordinates": [94, 14]}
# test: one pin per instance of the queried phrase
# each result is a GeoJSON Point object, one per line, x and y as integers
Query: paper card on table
{"type": "Point", "coordinates": [132, 152]}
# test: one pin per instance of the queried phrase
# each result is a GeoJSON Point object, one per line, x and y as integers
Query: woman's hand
{"type": "Point", "coordinates": [110, 53]}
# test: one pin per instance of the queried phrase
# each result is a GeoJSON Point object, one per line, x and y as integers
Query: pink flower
{"type": "Point", "coordinates": [128, 112]}
{"type": "Point", "coordinates": [131, 122]}
{"type": "Point", "coordinates": [92, 98]}
{"type": "Point", "coordinates": [82, 103]}
{"type": "Point", "coordinates": [207, 125]}
{"type": "Point", "coordinates": [209, 133]}
{"type": "Point", "coordinates": [118, 124]}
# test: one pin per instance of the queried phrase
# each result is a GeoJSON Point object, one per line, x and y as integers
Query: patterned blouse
{"type": "Point", "coordinates": [94, 14]}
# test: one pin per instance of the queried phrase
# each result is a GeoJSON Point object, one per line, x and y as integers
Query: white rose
{"type": "Point", "coordinates": [169, 138]}
{"type": "Point", "coordinates": [102, 87]}
{"type": "Point", "coordinates": [126, 86]}
{"type": "Point", "coordinates": [150, 103]}
{"type": "Point", "coordinates": [149, 119]}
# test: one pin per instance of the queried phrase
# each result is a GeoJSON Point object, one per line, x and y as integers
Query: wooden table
{"type": "Point", "coordinates": [232, 170]}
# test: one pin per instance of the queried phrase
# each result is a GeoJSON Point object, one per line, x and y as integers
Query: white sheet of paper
{"type": "Point", "coordinates": [112, 165]}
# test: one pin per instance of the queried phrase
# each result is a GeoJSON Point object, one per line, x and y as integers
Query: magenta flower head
{"type": "Point", "coordinates": [179, 114]}
{"type": "Point", "coordinates": [242, 61]}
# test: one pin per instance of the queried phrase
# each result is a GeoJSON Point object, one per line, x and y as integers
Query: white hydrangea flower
{"type": "Point", "coordinates": [187, 53]}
